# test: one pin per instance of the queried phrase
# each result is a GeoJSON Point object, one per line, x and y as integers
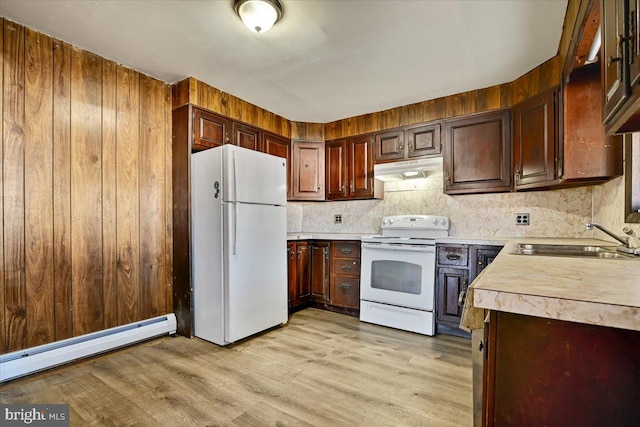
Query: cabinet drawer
{"type": "Point", "coordinates": [345, 266]}
{"type": "Point", "coordinates": [453, 255]}
{"type": "Point", "coordinates": [345, 250]}
{"type": "Point", "coordinates": [346, 292]}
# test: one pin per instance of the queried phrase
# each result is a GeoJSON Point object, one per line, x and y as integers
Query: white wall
{"type": "Point", "coordinates": [553, 213]}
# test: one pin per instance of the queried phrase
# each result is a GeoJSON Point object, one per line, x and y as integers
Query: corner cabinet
{"type": "Point", "coordinates": [320, 271]}
{"type": "Point", "coordinates": [299, 276]}
{"type": "Point", "coordinates": [477, 153]}
{"type": "Point", "coordinates": [349, 169]}
{"type": "Point", "coordinates": [457, 267]}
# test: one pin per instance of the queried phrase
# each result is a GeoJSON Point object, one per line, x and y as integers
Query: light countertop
{"type": "Point", "coordinates": [602, 292]}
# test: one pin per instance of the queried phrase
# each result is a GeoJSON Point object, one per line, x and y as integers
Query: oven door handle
{"type": "Point", "coordinates": [406, 248]}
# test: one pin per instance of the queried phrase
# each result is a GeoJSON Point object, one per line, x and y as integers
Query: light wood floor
{"type": "Point", "coordinates": [321, 369]}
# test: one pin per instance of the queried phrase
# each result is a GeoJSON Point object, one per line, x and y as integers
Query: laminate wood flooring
{"type": "Point", "coordinates": [321, 369]}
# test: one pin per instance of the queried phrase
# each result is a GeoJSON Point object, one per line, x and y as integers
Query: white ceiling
{"type": "Point", "coordinates": [325, 60]}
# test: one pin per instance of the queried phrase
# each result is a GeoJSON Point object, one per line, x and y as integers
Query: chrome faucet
{"type": "Point", "coordinates": [630, 242]}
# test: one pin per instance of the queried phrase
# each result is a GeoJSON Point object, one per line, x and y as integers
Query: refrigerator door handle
{"type": "Point", "coordinates": [235, 226]}
{"type": "Point", "coordinates": [235, 181]}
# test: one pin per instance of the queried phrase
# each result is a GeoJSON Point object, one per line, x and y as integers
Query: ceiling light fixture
{"type": "Point", "coordinates": [259, 15]}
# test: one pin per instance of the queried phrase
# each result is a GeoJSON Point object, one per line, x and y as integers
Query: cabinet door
{"type": "Point", "coordinates": [292, 263]}
{"type": "Point", "coordinates": [389, 146]}
{"type": "Point", "coordinates": [210, 130]}
{"type": "Point", "coordinates": [483, 256]}
{"type": "Point", "coordinates": [308, 170]}
{"type": "Point", "coordinates": [633, 49]}
{"type": "Point", "coordinates": [535, 139]}
{"type": "Point", "coordinates": [615, 75]}
{"type": "Point", "coordinates": [336, 169]}
{"type": "Point", "coordinates": [320, 271]}
{"type": "Point", "coordinates": [360, 166]}
{"type": "Point", "coordinates": [423, 140]}
{"type": "Point", "coordinates": [303, 273]}
{"type": "Point", "coordinates": [451, 282]}
{"type": "Point", "coordinates": [477, 153]}
{"type": "Point", "coordinates": [246, 136]}
{"type": "Point", "coordinates": [281, 147]}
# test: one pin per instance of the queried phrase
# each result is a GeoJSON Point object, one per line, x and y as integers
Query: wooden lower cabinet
{"type": "Point", "coordinates": [299, 276]}
{"type": "Point", "coordinates": [325, 275]}
{"type": "Point", "coordinates": [544, 372]}
{"type": "Point", "coordinates": [320, 275]}
{"type": "Point", "coordinates": [457, 266]}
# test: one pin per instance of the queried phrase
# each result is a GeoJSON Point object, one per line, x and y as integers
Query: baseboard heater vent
{"type": "Point", "coordinates": [24, 362]}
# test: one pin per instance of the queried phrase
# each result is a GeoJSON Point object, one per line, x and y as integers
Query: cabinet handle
{"type": "Point", "coordinates": [481, 346]}
{"type": "Point", "coordinates": [291, 253]}
{"type": "Point", "coordinates": [461, 298]}
{"type": "Point", "coordinates": [479, 262]}
{"type": "Point", "coordinates": [345, 286]}
{"type": "Point", "coordinates": [448, 179]}
{"type": "Point", "coordinates": [351, 186]}
{"type": "Point", "coordinates": [400, 147]}
{"type": "Point", "coordinates": [453, 257]}
{"type": "Point", "coordinates": [410, 146]}
{"type": "Point", "coordinates": [517, 173]}
{"type": "Point", "coordinates": [346, 268]}
{"type": "Point", "coordinates": [612, 59]}
{"type": "Point", "coordinates": [226, 137]}
{"type": "Point", "coordinates": [299, 253]}
{"type": "Point", "coordinates": [342, 188]}
{"type": "Point", "coordinates": [326, 253]}
{"type": "Point", "coordinates": [346, 251]}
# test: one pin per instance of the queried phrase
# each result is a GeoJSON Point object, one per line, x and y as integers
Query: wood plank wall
{"type": "Point", "coordinates": [505, 95]}
{"type": "Point", "coordinates": [202, 95]}
{"type": "Point", "coordinates": [301, 131]}
{"type": "Point", "coordinates": [86, 242]}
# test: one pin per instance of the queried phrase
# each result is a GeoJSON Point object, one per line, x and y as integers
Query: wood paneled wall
{"type": "Point", "coordinates": [301, 131]}
{"type": "Point", "coordinates": [505, 95]}
{"type": "Point", "coordinates": [86, 192]}
{"type": "Point", "coordinates": [192, 91]}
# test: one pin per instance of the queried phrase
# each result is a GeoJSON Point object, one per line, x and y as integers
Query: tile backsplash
{"type": "Point", "coordinates": [552, 213]}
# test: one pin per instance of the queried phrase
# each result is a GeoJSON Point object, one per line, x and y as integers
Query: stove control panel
{"type": "Point", "coordinates": [415, 222]}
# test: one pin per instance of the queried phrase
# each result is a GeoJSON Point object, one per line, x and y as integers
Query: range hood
{"type": "Point", "coordinates": [407, 169]}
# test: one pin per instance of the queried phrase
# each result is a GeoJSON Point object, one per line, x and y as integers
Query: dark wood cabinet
{"type": "Point", "coordinates": [299, 273]}
{"type": "Point", "coordinates": [281, 147]}
{"type": "Point", "coordinates": [247, 136]}
{"type": "Point", "coordinates": [320, 272]}
{"type": "Point", "coordinates": [477, 153]}
{"type": "Point", "coordinates": [308, 170]}
{"type": "Point", "coordinates": [345, 275]}
{"type": "Point", "coordinates": [556, 373]}
{"type": "Point", "coordinates": [620, 65]}
{"type": "Point", "coordinates": [209, 130]}
{"type": "Point", "coordinates": [457, 266]}
{"type": "Point", "coordinates": [349, 169]}
{"type": "Point", "coordinates": [535, 139]}
{"type": "Point", "coordinates": [407, 143]}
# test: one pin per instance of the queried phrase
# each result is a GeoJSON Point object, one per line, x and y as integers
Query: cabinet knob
{"type": "Point", "coordinates": [318, 188]}
{"type": "Point", "coordinates": [400, 147]}
{"type": "Point", "coordinates": [479, 262]}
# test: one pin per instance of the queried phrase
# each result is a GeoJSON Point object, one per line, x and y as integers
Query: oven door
{"type": "Point", "coordinates": [398, 274]}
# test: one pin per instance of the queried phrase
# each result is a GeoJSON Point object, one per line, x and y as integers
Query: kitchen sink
{"type": "Point", "coordinates": [580, 251]}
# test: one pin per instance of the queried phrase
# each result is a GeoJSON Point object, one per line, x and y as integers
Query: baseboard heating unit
{"type": "Point", "coordinates": [24, 362]}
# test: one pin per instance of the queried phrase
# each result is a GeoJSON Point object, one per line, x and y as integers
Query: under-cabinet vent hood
{"type": "Point", "coordinates": [407, 169]}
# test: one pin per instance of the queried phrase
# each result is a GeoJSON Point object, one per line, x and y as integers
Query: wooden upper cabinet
{"type": "Point", "coordinates": [336, 169]}
{"type": "Point", "coordinates": [389, 146]}
{"type": "Point", "coordinates": [534, 139]}
{"type": "Point", "coordinates": [281, 147]}
{"type": "Point", "coordinates": [247, 136]}
{"type": "Point", "coordinates": [360, 155]}
{"type": "Point", "coordinates": [308, 170]}
{"type": "Point", "coordinates": [407, 143]}
{"type": "Point", "coordinates": [210, 130]}
{"type": "Point", "coordinates": [477, 153]}
{"type": "Point", "coordinates": [615, 74]}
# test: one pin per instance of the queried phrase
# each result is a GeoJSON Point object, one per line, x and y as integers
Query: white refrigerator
{"type": "Point", "coordinates": [239, 243]}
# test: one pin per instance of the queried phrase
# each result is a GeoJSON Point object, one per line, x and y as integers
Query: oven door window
{"type": "Point", "coordinates": [397, 276]}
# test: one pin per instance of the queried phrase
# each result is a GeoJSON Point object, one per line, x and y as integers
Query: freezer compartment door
{"type": "Point", "coordinates": [256, 274]}
{"type": "Point", "coordinates": [253, 177]}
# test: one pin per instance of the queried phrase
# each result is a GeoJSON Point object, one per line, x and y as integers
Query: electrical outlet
{"type": "Point", "coordinates": [522, 219]}
{"type": "Point", "coordinates": [337, 218]}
